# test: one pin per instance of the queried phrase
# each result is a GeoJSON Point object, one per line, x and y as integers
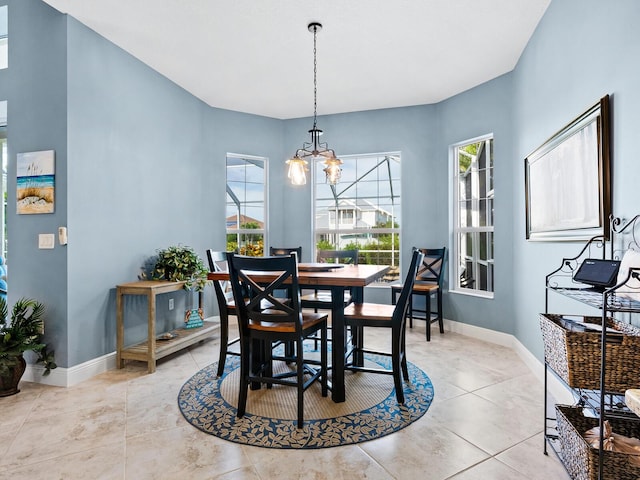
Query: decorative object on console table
{"type": "Point", "coordinates": [180, 263]}
{"type": "Point", "coordinates": [194, 318]}
{"type": "Point", "coordinates": [23, 333]}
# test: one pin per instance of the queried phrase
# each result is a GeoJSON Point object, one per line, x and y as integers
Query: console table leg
{"type": "Point", "coordinates": [151, 340]}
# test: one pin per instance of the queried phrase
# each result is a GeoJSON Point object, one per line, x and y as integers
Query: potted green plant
{"type": "Point", "coordinates": [180, 263]}
{"type": "Point", "coordinates": [23, 333]}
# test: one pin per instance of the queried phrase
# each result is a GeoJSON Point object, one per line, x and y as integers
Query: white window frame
{"type": "Point", "coordinates": [4, 38]}
{"type": "Point", "coordinates": [456, 230]}
{"type": "Point", "coordinates": [240, 231]}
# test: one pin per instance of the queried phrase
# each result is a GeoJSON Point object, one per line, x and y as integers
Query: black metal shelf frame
{"type": "Point", "coordinates": [624, 236]}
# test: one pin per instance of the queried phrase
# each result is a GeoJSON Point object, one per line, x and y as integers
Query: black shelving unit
{"type": "Point", "coordinates": [603, 403]}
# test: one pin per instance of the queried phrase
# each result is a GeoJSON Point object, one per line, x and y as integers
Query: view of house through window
{"type": "Point", "coordinates": [4, 37]}
{"type": "Point", "coordinates": [472, 259]}
{"type": "Point", "coordinates": [246, 204]}
{"type": "Point", "coordinates": [362, 211]}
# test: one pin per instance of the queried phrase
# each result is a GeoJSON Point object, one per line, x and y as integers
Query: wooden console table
{"type": "Point", "coordinates": [151, 350]}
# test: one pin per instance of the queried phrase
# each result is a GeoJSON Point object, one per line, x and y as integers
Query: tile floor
{"type": "Point", "coordinates": [485, 423]}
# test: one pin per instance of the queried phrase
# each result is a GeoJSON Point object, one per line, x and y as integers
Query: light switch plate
{"type": "Point", "coordinates": [46, 240]}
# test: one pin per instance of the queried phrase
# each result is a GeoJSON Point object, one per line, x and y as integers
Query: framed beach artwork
{"type": "Point", "coordinates": [36, 182]}
{"type": "Point", "coordinates": [568, 180]}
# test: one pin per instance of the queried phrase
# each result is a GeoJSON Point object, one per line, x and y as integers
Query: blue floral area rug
{"type": "Point", "coordinates": [371, 410]}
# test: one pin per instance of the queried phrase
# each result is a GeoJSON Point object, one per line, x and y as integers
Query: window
{"type": "Point", "coordinates": [362, 211]}
{"type": "Point", "coordinates": [473, 216]}
{"type": "Point", "coordinates": [4, 37]}
{"type": "Point", "coordinates": [3, 186]}
{"type": "Point", "coordinates": [246, 204]}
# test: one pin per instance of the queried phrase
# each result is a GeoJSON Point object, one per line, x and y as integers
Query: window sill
{"type": "Point", "coordinates": [474, 293]}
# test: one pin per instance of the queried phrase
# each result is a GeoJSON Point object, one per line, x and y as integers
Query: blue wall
{"type": "Point", "coordinates": [140, 163]}
{"type": "Point", "coordinates": [35, 87]}
{"type": "Point", "coordinates": [485, 109]}
{"type": "Point", "coordinates": [581, 50]}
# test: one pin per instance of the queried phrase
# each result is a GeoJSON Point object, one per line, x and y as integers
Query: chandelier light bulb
{"type": "Point", "coordinates": [297, 168]}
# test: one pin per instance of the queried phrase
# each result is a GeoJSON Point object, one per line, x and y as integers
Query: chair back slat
{"type": "Point", "coordinates": [400, 312]}
{"type": "Point", "coordinates": [285, 251]}
{"type": "Point", "coordinates": [338, 256]}
{"type": "Point", "coordinates": [433, 265]}
{"type": "Point", "coordinates": [263, 304]}
{"type": "Point", "coordinates": [218, 263]}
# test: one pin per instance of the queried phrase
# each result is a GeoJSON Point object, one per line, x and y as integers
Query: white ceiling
{"type": "Point", "coordinates": [256, 56]}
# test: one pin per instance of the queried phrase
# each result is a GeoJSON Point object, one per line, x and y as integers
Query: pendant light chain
{"type": "Point", "coordinates": [315, 74]}
{"type": "Point", "coordinates": [314, 149]}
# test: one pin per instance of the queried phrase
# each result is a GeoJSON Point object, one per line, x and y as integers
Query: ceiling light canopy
{"type": "Point", "coordinates": [315, 148]}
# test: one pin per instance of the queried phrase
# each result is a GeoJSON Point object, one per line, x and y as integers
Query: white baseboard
{"type": "Point", "coordinates": [555, 386]}
{"type": "Point", "coordinates": [480, 333]}
{"type": "Point", "coordinates": [67, 377]}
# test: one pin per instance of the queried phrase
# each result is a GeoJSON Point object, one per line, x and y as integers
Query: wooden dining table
{"type": "Point", "coordinates": [335, 279]}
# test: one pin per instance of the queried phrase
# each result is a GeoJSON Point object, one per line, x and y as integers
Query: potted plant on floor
{"type": "Point", "coordinates": [180, 263]}
{"type": "Point", "coordinates": [23, 333]}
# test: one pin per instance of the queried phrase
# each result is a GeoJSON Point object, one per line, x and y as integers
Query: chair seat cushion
{"type": "Point", "coordinates": [425, 287]}
{"type": "Point", "coordinates": [309, 320]}
{"type": "Point", "coordinates": [369, 311]}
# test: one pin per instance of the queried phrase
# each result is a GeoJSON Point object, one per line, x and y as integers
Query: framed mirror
{"type": "Point", "coordinates": [568, 180]}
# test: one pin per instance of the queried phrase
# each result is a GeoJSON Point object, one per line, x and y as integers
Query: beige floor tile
{"type": "Point", "coordinates": [246, 473]}
{"type": "Point", "coordinates": [424, 448]}
{"type": "Point", "coordinates": [125, 424]}
{"type": "Point", "coordinates": [485, 424]}
{"type": "Point", "coordinates": [148, 417]}
{"type": "Point", "coordinates": [45, 438]}
{"type": "Point", "coordinates": [490, 470]}
{"type": "Point", "coordinates": [528, 458]}
{"type": "Point", "coordinates": [348, 462]}
{"type": "Point", "coordinates": [182, 452]}
{"type": "Point", "coordinates": [102, 463]}
{"type": "Point", "coordinates": [93, 393]}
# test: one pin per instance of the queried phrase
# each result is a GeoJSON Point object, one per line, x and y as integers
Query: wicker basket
{"type": "Point", "coordinates": [576, 356]}
{"type": "Point", "coordinates": [581, 460]}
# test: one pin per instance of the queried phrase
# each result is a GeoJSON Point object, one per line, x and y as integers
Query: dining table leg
{"type": "Point", "coordinates": [338, 344]}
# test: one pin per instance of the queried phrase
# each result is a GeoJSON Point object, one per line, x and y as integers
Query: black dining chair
{"type": "Point", "coordinates": [226, 306]}
{"type": "Point", "coordinates": [363, 315]}
{"type": "Point", "coordinates": [429, 282]}
{"type": "Point", "coordinates": [283, 321]}
{"type": "Point", "coordinates": [321, 299]}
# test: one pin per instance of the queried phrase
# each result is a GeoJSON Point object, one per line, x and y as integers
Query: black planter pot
{"type": "Point", "coordinates": [9, 384]}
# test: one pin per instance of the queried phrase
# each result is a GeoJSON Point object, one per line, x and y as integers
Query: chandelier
{"type": "Point", "coordinates": [314, 149]}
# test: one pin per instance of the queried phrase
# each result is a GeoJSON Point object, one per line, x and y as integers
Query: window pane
{"type": "Point", "coordinates": [482, 277]}
{"type": "Point", "coordinates": [366, 198]}
{"type": "Point", "coordinates": [482, 183]}
{"type": "Point", "coordinates": [483, 213]}
{"type": "Point", "coordinates": [246, 205]}
{"type": "Point", "coordinates": [4, 37]}
{"type": "Point", "coordinates": [483, 246]}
